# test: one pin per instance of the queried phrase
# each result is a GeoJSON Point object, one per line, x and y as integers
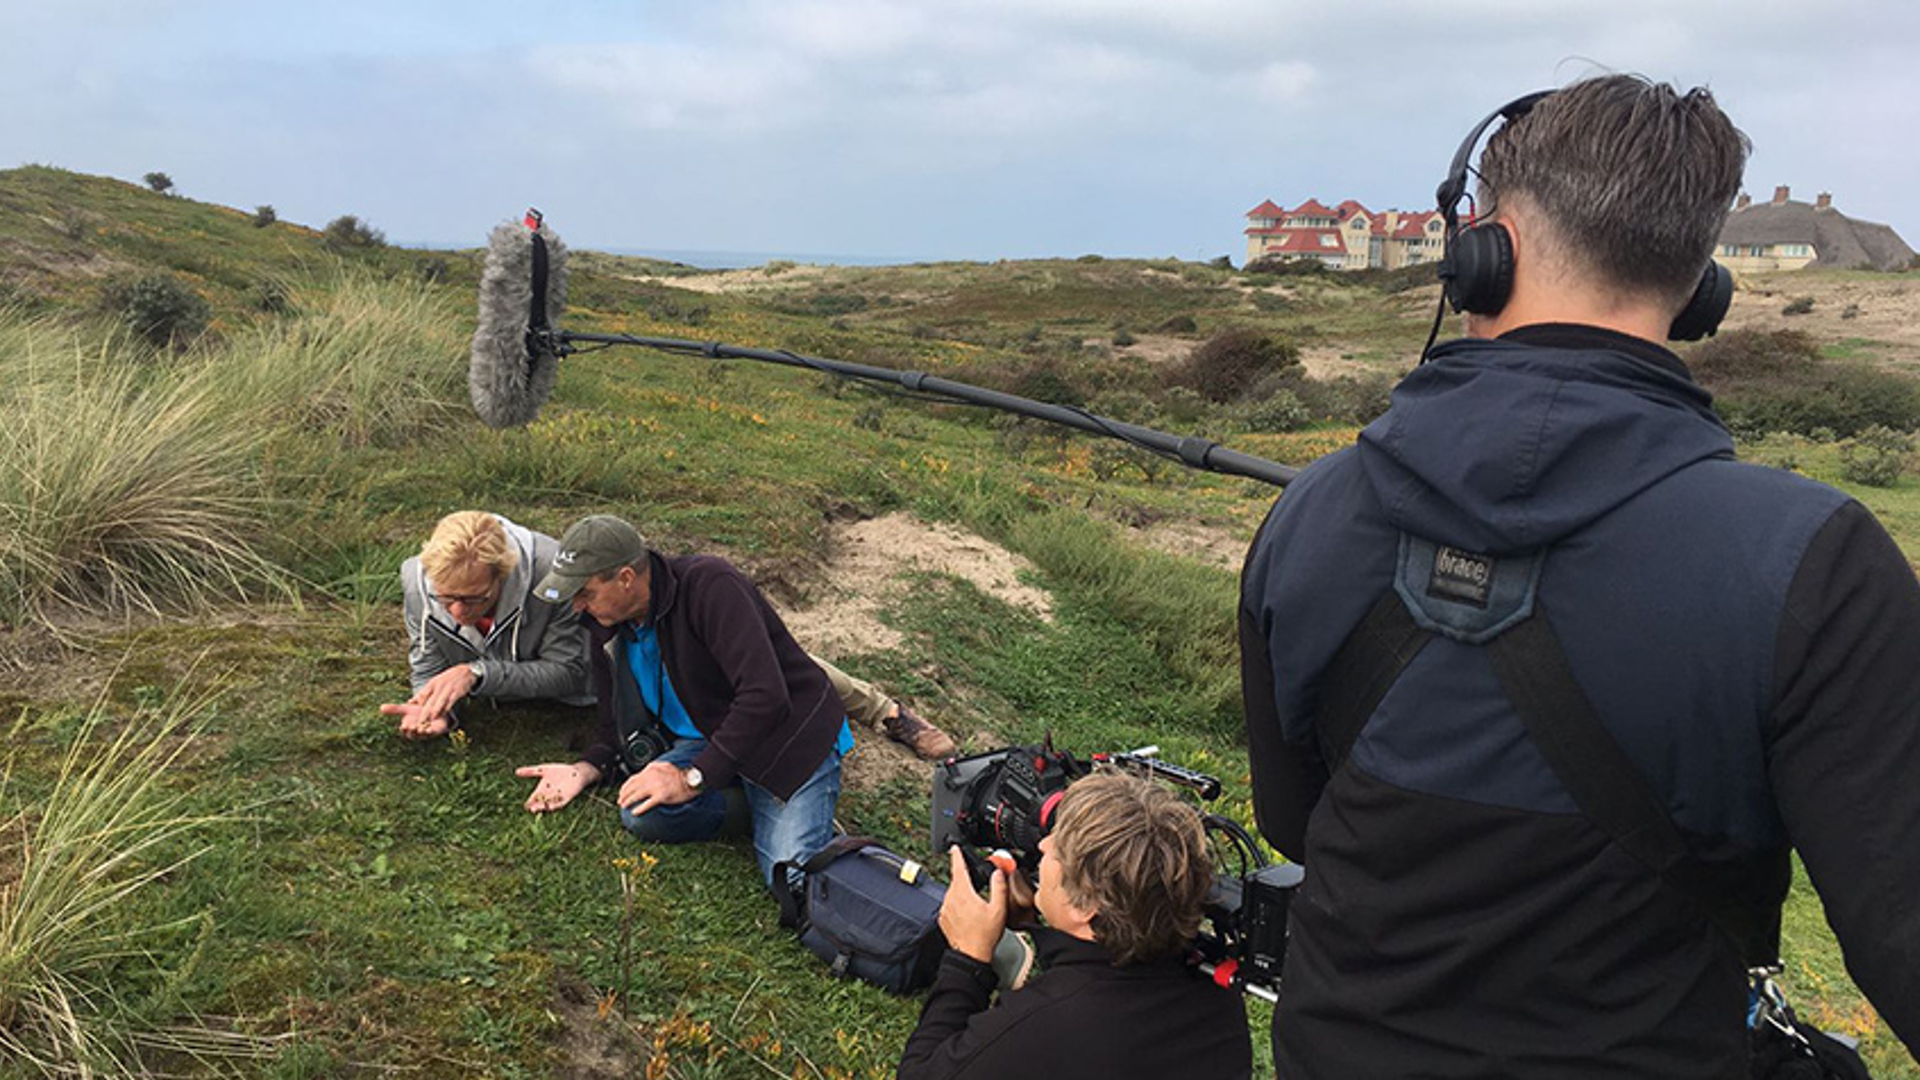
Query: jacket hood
{"type": "Point", "coordinates": [1508, 445]}
{"type": "Point", "coordinates": [513, 592]}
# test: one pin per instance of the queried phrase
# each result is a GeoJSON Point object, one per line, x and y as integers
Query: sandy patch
{"type": "Point", "coordinates": [1154, 348]}
{"type": "Point", "coordinates": [753, 279]}
{"type": "Point", "coordinates": [1210, 544]}
{"type": "Point", "coordinates": [868, 569]}
{"type": "Point", "coordinates": [1884, 309]}
{"type": "Point", "coordinates": [1331, 362]}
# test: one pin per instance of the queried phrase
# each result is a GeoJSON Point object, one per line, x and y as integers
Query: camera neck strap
{"type": "Point", "coordinates": [1585, 757]}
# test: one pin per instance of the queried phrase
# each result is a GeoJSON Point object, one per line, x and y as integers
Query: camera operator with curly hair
{"type": "Point", "coordinates": [1122, 878]}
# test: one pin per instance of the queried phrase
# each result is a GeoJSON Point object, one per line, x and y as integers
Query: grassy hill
{"type": "Point", "coordinates": [360, 904]}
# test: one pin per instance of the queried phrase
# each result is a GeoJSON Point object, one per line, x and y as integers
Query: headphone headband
{"type": "Point", "coordinates": [1476, 273]}
{"type": "Point", "coordinates": [1455, 185]}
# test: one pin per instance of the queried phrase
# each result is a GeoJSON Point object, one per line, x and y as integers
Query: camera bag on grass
{"type": "Point", "coordinates": [869, 913]}
{"type": "Point", "coordinates": [1533, 669]}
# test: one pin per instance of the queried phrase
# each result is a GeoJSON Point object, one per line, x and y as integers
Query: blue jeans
{"type": "Point", "coordinates": [783, 831]}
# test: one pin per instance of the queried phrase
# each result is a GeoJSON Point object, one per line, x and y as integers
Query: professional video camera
{"type": "Point", "coordinates": [1006, 799]}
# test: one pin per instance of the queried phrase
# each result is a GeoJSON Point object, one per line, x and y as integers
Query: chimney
{"type": "Point", "coordinates": [1823, 201]}
{"type": "Point", "coordinates": [1780, 195]}
{"type": "Point", "coordinates": [1745, 200]}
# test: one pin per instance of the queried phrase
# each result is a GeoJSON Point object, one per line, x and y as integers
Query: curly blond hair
{"type": "Point", "coordinates": [1137, 855]}
{"type": "Point", "coordinates": [467, 538]}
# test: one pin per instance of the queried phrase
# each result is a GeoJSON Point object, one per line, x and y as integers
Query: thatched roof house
{"type": "Point", "coordinates": [1788, 235]}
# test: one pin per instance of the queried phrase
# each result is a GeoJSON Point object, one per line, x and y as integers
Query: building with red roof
{"type": "Point", "coordinates": [1345, 237]}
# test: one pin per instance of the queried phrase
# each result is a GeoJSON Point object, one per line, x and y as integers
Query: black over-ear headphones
{"type": "Point", "coordinates": [1476, 273]}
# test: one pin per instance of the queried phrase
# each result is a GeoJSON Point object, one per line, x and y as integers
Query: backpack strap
{"type": "Point", "coordinates": [1583, 754]}
{"type": "Point", "coordinates": [1609, 789]}
{"type": "Point", "coordinates": [1364, 668]}
{"type": "Point", "coordinates": [1613, 794]}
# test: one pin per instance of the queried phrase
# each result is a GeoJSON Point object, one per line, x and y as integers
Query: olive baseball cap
{"type": "Point", "coordinates": [592, 546]}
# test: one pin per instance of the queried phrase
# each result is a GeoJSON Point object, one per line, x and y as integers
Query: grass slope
{"type": "Point", "coordinates": [380, 905]}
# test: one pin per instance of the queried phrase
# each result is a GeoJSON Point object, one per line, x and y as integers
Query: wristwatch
{"type": "Point", "coordinates": [479, 671]}
{"type": "Point", "coordinates": [694, 779]}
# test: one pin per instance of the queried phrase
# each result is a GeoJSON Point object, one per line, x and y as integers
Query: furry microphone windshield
{"type": "Point", "coordinates": [523, 291]}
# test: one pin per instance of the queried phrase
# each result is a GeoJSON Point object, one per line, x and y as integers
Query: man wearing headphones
{"type": "Point", "coordinates": [1541, 683]}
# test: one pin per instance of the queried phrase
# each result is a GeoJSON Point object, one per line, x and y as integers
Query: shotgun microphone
{"type": "Point", "coordinates": [518, 345]}
{"type": "Point", "coordinates": [523, 291]}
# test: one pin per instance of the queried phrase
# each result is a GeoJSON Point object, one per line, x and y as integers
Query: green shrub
{"type": "Point", "coordinates": [1122, 338]}
{"type": "Point", "coordinates": [1876, 457]}
{"type": "Point", "coordinates": [1348, 399]}
{"type": "Point", "coordinates": [159, 308]}
{"type": "Point", "coordinates": [1280, 411]}
{"type": "Point", "coordinates": [264, 215]}
{"type": "Point", "coordinates": [159, 182]}
{"type": "Point", "coordinates": [1279, 266]}
{"type": "Point", "coordinates": [1047, 379]}
{"type": "Point", "coordinates": [1766, 381]}
{"type": "Point", "coordinates": [1179, 324]}
{"type": "Point", "coordinates": [1120, 403]}
{"type": "Point", "coordinates": [1227, 365]}
{"type": "Point", "coordinates": [271, 295]}
{"type": "Point", "coordinates": [349, 233]}
{"type": "Point", "coordinates": [1798, 306]}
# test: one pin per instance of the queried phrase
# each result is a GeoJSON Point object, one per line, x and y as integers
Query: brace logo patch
{"type": "Point", "coordinates": [1461, 576]}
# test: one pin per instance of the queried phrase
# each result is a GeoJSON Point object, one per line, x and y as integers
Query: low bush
{"type": "Point", "coordinates": [1347, 399]}
{"type": "Point", "coordinates": [1876, 457]}
{"type": "Point", "coordinates": [264, 215]}
{"type": "Point", "coordinates": [1048, 379]}
{"type": "Point", "coordinates": [159, 308]}
{"type": "Point", "coordinates": [1280, 411]}
{"type": "Point", "coordinates": [1227, 365]}
{"type": "Point", "coordinates": [1279, 266]}
{"type": "Point", "coordinates": [271, 295]}
{"type": "Point", "coordinates": [1766, 381]}
{"type": "Point", "coordinates": [349, 233]}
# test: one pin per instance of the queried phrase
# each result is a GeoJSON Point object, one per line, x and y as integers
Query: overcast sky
{"type": "Point", "coordinates": [972, 129]}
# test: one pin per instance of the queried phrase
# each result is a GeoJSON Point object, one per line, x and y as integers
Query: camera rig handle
{"type": "Point", "coordinates": [1207, 787]}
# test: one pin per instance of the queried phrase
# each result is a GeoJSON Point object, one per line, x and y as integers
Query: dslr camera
{"type": "Point", "coordinates": [1007, 798]}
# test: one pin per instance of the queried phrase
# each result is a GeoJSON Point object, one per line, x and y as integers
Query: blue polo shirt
{"type": "Point", "coordinates": [643, 657]}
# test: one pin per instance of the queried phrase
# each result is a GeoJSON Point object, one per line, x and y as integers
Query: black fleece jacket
{"type": "Point", "coordinates": [1083, 1017]}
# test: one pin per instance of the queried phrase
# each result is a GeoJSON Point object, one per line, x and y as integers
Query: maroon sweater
{"type": "Point", "coordinates": [766, 709]}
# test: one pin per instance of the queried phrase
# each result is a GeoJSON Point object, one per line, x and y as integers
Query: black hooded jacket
{"type": "Point", "coordinates": [1750, 638]}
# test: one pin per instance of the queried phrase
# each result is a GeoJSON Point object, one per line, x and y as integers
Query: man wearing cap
{"type": "Point", "coordinates": [701, 689]}
{"type": "Point", "coordinates": [473, 630]}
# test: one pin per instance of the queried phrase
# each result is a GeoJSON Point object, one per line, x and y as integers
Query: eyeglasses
{"type": "Point", "coordinates": [467, 599]}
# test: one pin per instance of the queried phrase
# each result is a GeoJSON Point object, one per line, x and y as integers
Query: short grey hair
{"type": "Point", "coordinates": [1633, 178]}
